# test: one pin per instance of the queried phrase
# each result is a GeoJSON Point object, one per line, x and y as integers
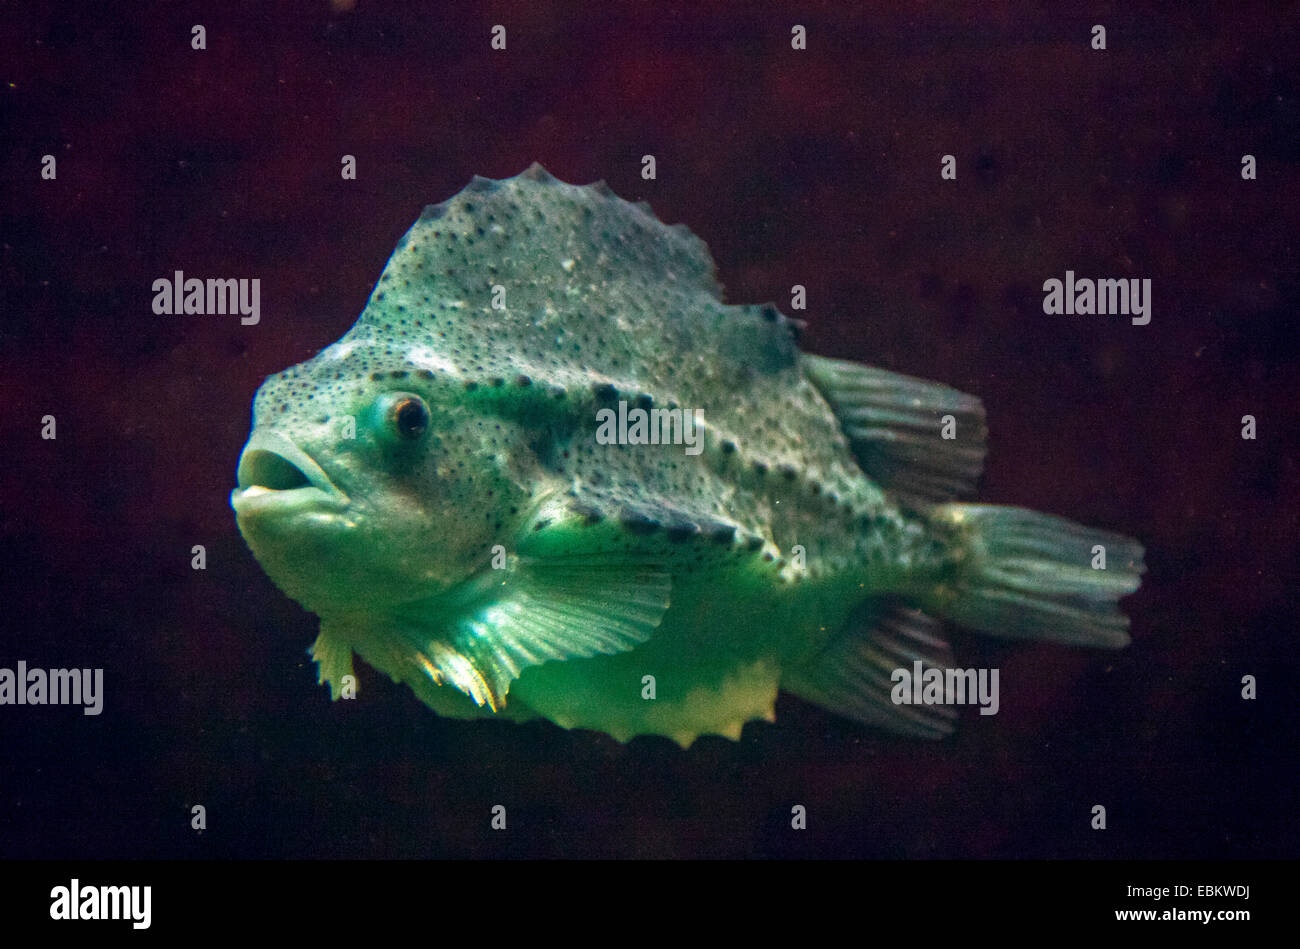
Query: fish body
{"type": "Point", "coordinates": [548, 472]}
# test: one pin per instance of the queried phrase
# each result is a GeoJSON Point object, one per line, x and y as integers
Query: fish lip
{"type": "Point", "coordinates": [318, 492]}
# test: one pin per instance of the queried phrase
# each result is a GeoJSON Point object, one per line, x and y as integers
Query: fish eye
{"type": "Point", "coordinates": [409, 416]}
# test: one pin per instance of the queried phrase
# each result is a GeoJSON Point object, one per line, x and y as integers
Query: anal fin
{"type": "Point", "coordinates": [852, 675]}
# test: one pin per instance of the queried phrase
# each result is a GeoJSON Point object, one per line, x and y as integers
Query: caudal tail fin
{"type": "Point", "coordinates": [1028, 575]}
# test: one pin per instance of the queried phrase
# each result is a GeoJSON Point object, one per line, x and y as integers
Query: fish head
{"type": "Point", "coordinates": [367, 482]}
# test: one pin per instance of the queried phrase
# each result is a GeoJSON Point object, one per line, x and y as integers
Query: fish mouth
{"type": "Point", "coordinates": [276, 475]}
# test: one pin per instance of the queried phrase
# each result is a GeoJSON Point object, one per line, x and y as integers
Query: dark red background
{"type": "Point", "coordinates": [819, 168]}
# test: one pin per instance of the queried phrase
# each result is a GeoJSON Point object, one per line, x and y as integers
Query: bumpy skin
{"type": "Point", "coordinates": [740, 562]}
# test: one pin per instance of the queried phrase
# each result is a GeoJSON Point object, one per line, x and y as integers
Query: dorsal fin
{"type": "Point", "coordinates": [564, 283]}
{"type": "Point", "coordinates": [560, 220]}
{"type": "Point", "coordinates": [897, 426]}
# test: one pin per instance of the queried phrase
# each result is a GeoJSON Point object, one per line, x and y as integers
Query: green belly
{"type": "Point", "coordinates": [716, 663]}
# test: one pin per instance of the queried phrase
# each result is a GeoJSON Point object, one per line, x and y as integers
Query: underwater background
{"type": "Point", "coordinates": [817, 167]}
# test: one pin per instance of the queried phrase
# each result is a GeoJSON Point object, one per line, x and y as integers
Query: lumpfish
{"type": "Point", "coordinates": [548, 472]}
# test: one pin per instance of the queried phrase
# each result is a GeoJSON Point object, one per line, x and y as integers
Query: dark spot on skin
{"type": "Point", "coordinates": [497, 382]}
{"type": "Point", "coordinates": [767, 555]}
{"type": "Point", "coordinates": [728, 447]}
{"type": "Point", "coordinates": [645, 401]}
{"type": "Point", "coordinates": [542, 525]}
{"type": "Point", "coordinates": [815, 487]}
{"type": "Point", "coordinates": [760, 468]}
{"type": "Point", "coordinates": [398, 374]}
{"type": "Point", "coordinates": [769, 312]}
{"type": "Point", "coordinates": [722, 534]}
{"type": "Point", "coordinates": [558, 392]}
{"type": "Point", "coordinates": [604, 390]}
{"type": "Point", "coordinates": [426, 373]}
{"type": "Point", "coordinates": [376, 376]}
{"type": "Point", "coordinates": [524, 381]}
{"type": "Point", "coordinates": [789, 472]}
{"type": "Point", "coordinates": [470, 385]}
{"type": "Point", "coordinates": [589, 514]}
{"type": "Point", "coordinates": [754, 543]}
{"type": "Point", "coordinates": [638, 523]}
{"type": "Point", "coordinates": [682, 531]}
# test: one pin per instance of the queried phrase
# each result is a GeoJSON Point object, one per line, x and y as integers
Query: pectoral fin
{"type": "Point", "coordinates": [533, 611]}
{"type": "Point", "coordinates": [556, 609]}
